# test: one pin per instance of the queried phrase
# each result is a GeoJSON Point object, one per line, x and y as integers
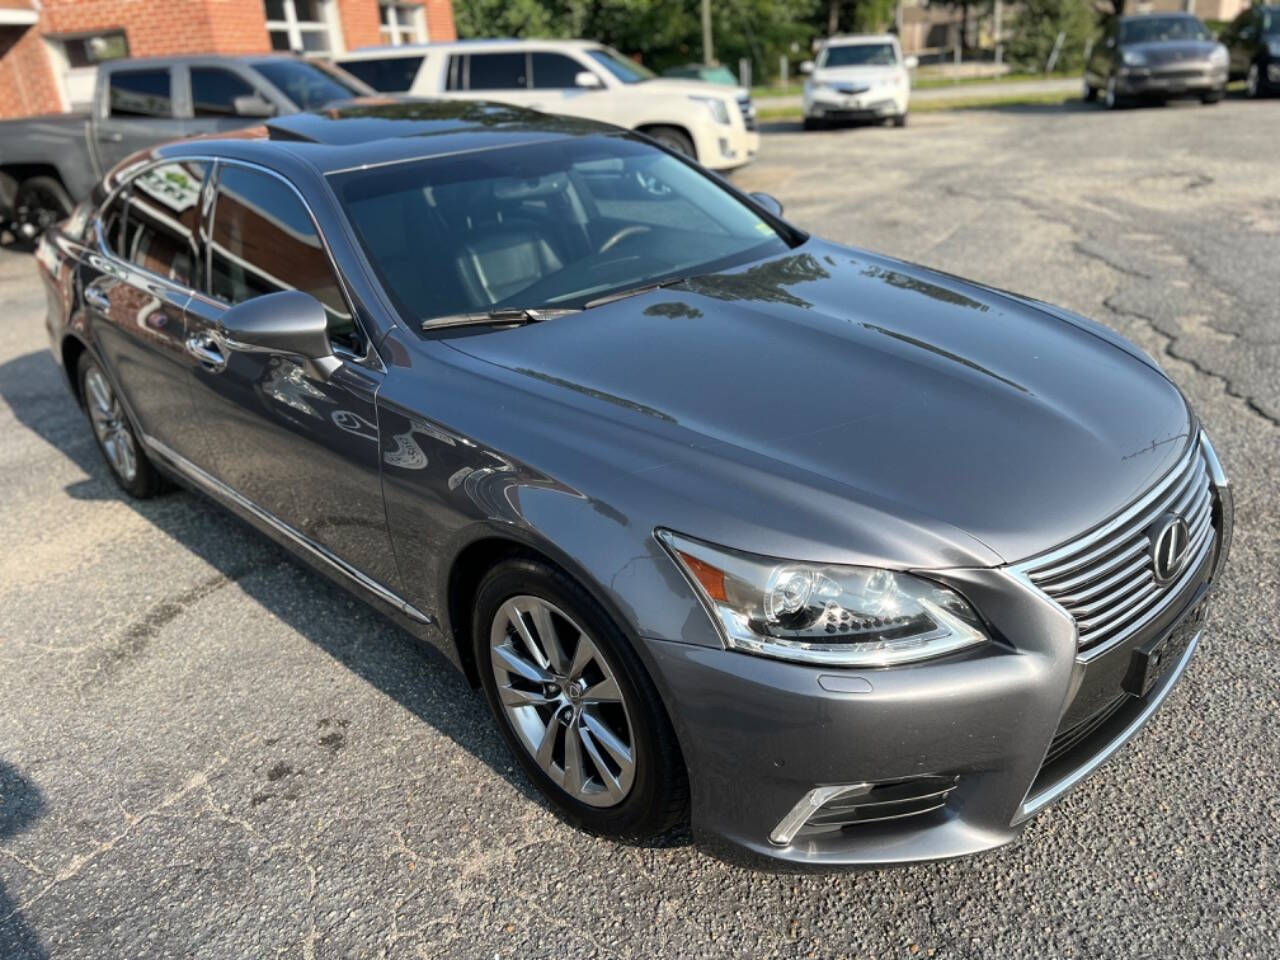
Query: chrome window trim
{"type": "Point", "coordinates": [1035, 803]}
{"type": "Point", "coordinates": [1022, 569]}
{"type": "Point", "coordinates": [220, 490]}
{"type": "Point", "coordinates": [370, 357]}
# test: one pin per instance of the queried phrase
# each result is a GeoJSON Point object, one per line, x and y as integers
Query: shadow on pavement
{"type": "Point", "coordinates": [411, 672]}
{"type": "Point", "coordinates": [20, 805]}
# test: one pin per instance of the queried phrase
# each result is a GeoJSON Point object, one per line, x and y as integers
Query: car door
{"type": "Point", "coordinates": [1244, 41]}
{"type": "Point", "coordinates": [300, 448]}
{"type": "Point", "coordinates": [136, 109]}
{"type": "Point", "coordinates": [223, 98]}
{"type": "Point", "coordinates": [135, 287]}
{"type": "Point", "coordinates": [502, 76]}
{"type": "Point", "coordinates": [553, 77]}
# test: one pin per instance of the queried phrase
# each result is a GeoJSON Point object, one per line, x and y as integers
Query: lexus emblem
{"type": "Point", "coordinates": [1169, 541]}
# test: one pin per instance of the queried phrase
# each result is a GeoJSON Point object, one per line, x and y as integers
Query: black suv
{"type": "Point", "coordinates": [1253, 41]}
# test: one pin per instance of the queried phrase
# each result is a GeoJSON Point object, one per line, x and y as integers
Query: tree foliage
{"type": "Point", "coordinates": [1035, 30]}
{"type": "Point", "coordinates": [668, 32]}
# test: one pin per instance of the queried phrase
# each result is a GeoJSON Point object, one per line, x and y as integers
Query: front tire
{"type": "Point", "coordinates": [117, 442]}
{"type": "Point", "coordinates": [1090, 94]}
{"type": "Point", "coordinates": [1253, 82]}
{"type": "Point", "coordinates": [1112, 97]}
{"type": "Point", "coordinates": [675, 140]}
{"type": "Point", "coordinates": [1209, 99]}
{"type": "Point", "coordinates": [574, 703]}
{"type": "Point", "coordinates": [900, 120]}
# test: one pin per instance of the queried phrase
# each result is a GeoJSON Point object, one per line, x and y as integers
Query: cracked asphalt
{"type": "Point", "coordinates": [208, 751]}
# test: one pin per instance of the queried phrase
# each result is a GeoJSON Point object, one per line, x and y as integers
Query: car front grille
{"type": "Point", "coordinates": [1106, 579]}
{"type": "Point", "coordinates": [1178, 74]}
{"type": "Point", "coordinates": [748, 111]}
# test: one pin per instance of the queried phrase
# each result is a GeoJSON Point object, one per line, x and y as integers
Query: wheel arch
{"type": "Point", "coordinates": [69, 352]}
{"type": "Point", "coordinates": [648, 128]}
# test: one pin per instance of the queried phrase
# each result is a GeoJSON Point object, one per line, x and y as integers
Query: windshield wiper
{"type": "Point", "coordinates": [503, 316]}
{"type": "Point", "coordinates": [632, 292]}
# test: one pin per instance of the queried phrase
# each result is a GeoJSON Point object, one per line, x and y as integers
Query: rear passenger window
{"type": "Point", "coordinates": [160, 221]}
{"type": "Point", "coordinates": [263, 241]}
{"type": "Point", "coordinates": [140, 93]}
{"type": "Point", "coordinates": [497, 71]}
{"type": "Point", "coordinates": [112, 220]}
{"type": "Point", "coordinates": [555, 71]}
{"type": "Point", "coordinates": [214, 91]}
{"type": "Point", "coordinates": [386, 75]}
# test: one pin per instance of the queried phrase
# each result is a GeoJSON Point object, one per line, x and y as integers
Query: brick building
{"type": "Point", "coordinates": [49, 49]}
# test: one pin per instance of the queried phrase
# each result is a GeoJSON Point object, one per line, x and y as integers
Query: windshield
{"type": "Point", "coordinates": [1161, 29]}
{"type": "Point", "coordinates": [544, 226]}
{"type": "Point", "coordinates": [308, 85]}
{"type": "Point", "coordinates": [859, 55]}
{"type": "Point", "coordinates": [628, 71]}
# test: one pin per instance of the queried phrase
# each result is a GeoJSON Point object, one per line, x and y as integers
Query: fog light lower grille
{"type": "Point", "coordinates": [825, 810]}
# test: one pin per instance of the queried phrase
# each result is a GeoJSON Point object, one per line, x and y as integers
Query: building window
{"type": "Point", "coordinates": [76, 58]}
{"type": "Point", "coordinates": [303, 26]}
{"type": "Point", "coordinates": [402, 23]}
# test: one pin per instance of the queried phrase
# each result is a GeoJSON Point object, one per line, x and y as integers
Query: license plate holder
{"type": "Point", "coordinates": [1155, 658]}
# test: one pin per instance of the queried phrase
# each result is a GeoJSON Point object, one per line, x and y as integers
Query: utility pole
{"type": "Point", "coordinates": [708, 52]}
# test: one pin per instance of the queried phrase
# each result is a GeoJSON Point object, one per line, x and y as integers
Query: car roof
{"type": "Point", "coordinates": [1158, 15]}
{"type": "Point", "coordinates": [127, 63]}
{"type": "Point", "coordinates": [463, 46]}
{"type": "Point", "coordinates": [370, 131]}
{"type": "Point", "coordinates": [854, 39]}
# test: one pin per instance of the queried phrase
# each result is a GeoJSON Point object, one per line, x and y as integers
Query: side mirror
{"type": "Point", "coordinates": [252, 105]}
{"type": "Point", "coordinates": [289, 322]}
{"type": "Point", "coordinates": [769, 202]}
{"type": "Point", "coordinates": [911, 62]}
{"type": "Point", "coordinates": [806, 67]}
{"type": "Point", "coordinates": [587, 80]}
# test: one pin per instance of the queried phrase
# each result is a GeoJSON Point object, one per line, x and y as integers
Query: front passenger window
{"type": "Point", "coordinates": [264, 241]}
{"type": "Point", "coordinates": [163, 208]}
{"type": "Point", "coordinates": [497, 71]}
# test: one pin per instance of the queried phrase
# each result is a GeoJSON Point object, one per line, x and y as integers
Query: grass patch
{"type": "Point", "coordinates": [955, 103]}
{"type": "Point", "coordinates": [924, 81]}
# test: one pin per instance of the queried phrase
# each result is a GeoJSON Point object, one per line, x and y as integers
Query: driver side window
{"type": "Point", "coordinates": [263, 241]}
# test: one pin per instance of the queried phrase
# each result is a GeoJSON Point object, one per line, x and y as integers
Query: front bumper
{"type": "Point", "coordinates": [725, 146]}
{"type": "Point", "coordinates": [1187, 79]}
{"type": "Point", "coordinates": [759, 735]}
{"type": "Point", "coordinates": [876, 103]}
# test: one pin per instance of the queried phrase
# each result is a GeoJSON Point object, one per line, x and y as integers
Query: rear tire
{"type": "Point", "coordinates": [813, 123]}
{"type": "Point", "coordinates": [547, 691]}
{"type": "Point", "coordinates": [40, 203]}
{"type": "Point", "coordinates": [673, 139]}
{"type": "Point", "coordinates": [113, 432]}
{"type": "Point", "coordinates": [1090, 92]}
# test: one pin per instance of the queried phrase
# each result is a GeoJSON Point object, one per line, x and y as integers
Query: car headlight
{"type": "Point", "coordinates": [1134, 58]}
{"type": "Point", "coordinates": [717, 107]}
{"type": "Point", "coordinates": [1273, 47]}
{"type": "Point", "coordinates": [1218, 57]}
{"type": "Point", "coordinates": [825, 614]}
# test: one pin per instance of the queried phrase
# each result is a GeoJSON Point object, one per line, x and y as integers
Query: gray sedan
{"type": "Point", "coordinates": [1156, 57]}
{"type": "Point", "coordinates": [847, 560]}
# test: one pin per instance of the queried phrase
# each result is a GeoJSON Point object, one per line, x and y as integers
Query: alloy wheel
{"type": "Point", "coordinates": [1112, 98]}
{"type": "Point", "coordinates": [1253, 83]}
{"type": "Point", "coordinates": [563, 701]}
{"type": "Point", "coordinates": [110, 425]}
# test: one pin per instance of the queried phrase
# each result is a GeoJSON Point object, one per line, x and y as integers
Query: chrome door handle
{"type": "Point", "coordinates": [206, 349]}
{"type": "Point", "coordinates": [96, 297]}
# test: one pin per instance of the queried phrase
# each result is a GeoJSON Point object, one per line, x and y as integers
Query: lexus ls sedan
{"type": "Point", "coordinates": [847, 561]}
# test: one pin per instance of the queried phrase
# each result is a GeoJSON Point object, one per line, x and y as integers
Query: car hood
{"type": "Point", "coordinates": [860, 76]}
{"type": "Point", "coordinates": [693, 88]}
{"type": "Point", "coordinates": [1173, 51]}
{"type": "Point", "coordinates": [915, 392]}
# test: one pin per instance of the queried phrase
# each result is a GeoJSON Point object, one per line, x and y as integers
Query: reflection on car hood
{"type": "Point", "coordinates": [906, 387]}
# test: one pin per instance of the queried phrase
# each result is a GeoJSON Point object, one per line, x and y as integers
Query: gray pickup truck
{"type": "Point", "coordinates": [48, 164]}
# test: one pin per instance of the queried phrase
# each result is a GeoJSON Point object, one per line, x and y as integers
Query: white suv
{"type": "Point", "coordinates": [713, 124]}
{"type": "Point", "coordinates": [857, 78]}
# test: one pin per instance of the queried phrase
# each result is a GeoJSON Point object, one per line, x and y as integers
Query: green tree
{"type": "Point", "coordinates": [1035, 30]}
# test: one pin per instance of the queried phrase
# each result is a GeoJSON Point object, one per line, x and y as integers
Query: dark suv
{"type": "Point", "coordinates": [1253, 44]}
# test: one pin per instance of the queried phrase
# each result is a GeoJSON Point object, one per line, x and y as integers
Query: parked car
{"type": "Point", "coordinates": [698, 71]}
{"type": "Point", "coordinates": [855, 557]}
{"type": "Point", "coordinates": [1156, 56]}
{"type": "Point", "coordinates": [1253, 46]}
{"type": "Point", "coordinates": [47, 164]}
{"type": "Point", "coordinates": [716, 127]}
{"type": "Point", "coordinates": [858, 78]}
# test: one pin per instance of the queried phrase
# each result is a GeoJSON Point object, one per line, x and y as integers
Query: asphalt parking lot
{"type": "Point", "coordinates": [208, 751]}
